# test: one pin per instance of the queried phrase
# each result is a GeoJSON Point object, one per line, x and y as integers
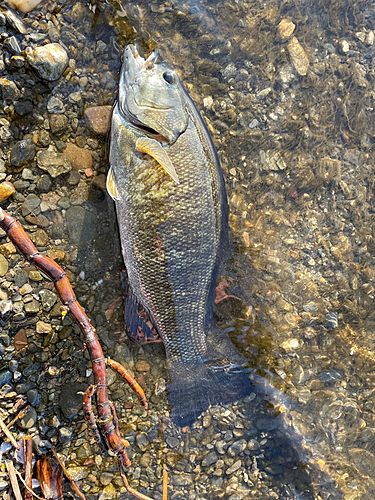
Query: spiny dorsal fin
{"type": "Point", "coordinates": [111, 185]}
{"type": "Point", "coordinates": [158, 153]}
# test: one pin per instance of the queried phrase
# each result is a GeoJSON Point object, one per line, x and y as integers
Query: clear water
{"type": "Point", "coordinates": [297, 154]}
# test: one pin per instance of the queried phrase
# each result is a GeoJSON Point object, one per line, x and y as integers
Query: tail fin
{"type": "Point", "coordinates": [196, 386]}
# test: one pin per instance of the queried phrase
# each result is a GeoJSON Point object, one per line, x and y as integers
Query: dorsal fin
{"type": "Point", "coordinates": [158, 153]}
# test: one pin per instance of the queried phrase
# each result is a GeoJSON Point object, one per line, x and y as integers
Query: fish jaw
{"type": "Point", "coordinates": [147, 100]}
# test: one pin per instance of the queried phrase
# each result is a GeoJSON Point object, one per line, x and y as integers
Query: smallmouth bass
{"type": "Point", "coordinates": [166, 180]}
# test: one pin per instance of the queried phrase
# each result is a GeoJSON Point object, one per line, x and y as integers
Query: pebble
{"type": "Point", "coordinates": [70, 401]}
{"type": "Point", "coordinates": [48, 299]}
{"type": "Point", "coordinates": [142, 366]}
{"type": "Point", "coordinates": [55, 164]}
{"type": "Point", "coordinates": [80, 158]}
{"type": "Point", "coordinates": [237, 447]}
{"type": "Point", "coordinates": [22, 153]}
{"type": "Point", "coordinates": [330, 376]}
{"type": "Point", "coordinates": [44, 184]}
{"type": "Point", "coordinates": [78, 473]}
{"type": "Point", "coordinates": [39, 220]}
{"type": "Point", "coordinates": [58, 123]}
{"type": "Point", "coordinates": [6, 306]}
{"type": "Point", "coordinates": [298, 56]}
{"type": "Point", "coordinates": [3, 270]}
{"type": "Point", "coordinates": [233, 468]}
{"type": "Point", "coordinates": [65, 435]}
{"type": "Point", "coordinates": [55, 105]}
{"type": "Point", "coordinates": [30, 204]}
{"type": "Point", "coordinates": [105, 478]}
{"type": "Point", "coordinates": [9, 90]}
{"type": "Point", "coordinates": [268, 423]}
{"type": "Point", "coordinates": [331, 320]}
{"type": "Point", "coordinates": [344, 46]}
{"type": "Point", "coordinates": [33, 397]}
{"type": "Point", "coordinates": [142, 440]}
{"type": "Point", "coordinates": [29, 420]}
{"type": "Point", "coordinates": [286, 29]}
{"type": "Point", "coordinates": [50, 61]}
{"type": "Point", "coordinates": [5, 377]}
{"type": "Point", "coordinates": [6, 190]}
{"type": "Point", "coordinates": [42, 327]}
{"type": "Point", "coordinates": [210, 459]}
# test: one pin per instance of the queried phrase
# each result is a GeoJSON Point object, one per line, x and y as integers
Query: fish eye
{"type": "Point", "coordinates": [169, 77]}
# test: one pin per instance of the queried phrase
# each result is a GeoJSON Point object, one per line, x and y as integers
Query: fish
{"type": "Point", "coordinates": [166, 180]}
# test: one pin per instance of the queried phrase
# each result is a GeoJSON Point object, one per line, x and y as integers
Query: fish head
{"type": "Point", "coordinates": [151, 96]}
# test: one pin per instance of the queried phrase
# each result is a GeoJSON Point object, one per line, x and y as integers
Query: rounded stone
{"type": "Point", "coordinates": [22, 152]}
{"type": "Point", "coordinates": [9, 90]}
{"type": "Point", "coordinates": [29, 420]}
{"type": "Point", "coordinates": [50, 61]}
{"type": "Point", "coordinates": [142, 366]}
{"type": "Point", "coordinates": [6, 190]}
{"type": "Point", "coordinates": [3, 267]}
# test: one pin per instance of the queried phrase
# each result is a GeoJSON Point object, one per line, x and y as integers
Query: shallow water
{"type": "Point", "coordinates": [297, 152]}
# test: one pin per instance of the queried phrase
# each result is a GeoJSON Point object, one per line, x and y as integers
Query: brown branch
{"type": "Point", "coordinates": [130, 380]}
{"type": "Point", "coordinates": [21, 414]}
{"type": "Point", "coordinates": [165, 484]}
{"type": "Point", "coordinates": [28, 456]}
{"type": "Point", "coordinates": [72, 482]}
{"type": "Point", "coordinates": [13, 479]}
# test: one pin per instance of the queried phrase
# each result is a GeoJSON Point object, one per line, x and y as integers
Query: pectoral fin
{"type": "Point", "coordinates": [111, 185]}
{"type": "Point", "coordinates": [158, 153]}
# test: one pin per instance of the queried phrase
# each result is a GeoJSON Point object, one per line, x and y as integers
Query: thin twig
{"type": "Point", "coordinates": [8, 434]}
{"type": "Point", "coordinates": [25, 485]}
{"type": "Point", "coordinates": [21, 414]}
{"type": "Point", "coordinates": [28, 458]}
{"type": "Point", "coordinates": [72, 482]}
{"type": "Point", "coordinates": [165, 484]}
{"type": "Point", "coordinates": [13, 479]}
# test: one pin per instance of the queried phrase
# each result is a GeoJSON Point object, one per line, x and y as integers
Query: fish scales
{"type": "Point", "coordinates": [166, 180]}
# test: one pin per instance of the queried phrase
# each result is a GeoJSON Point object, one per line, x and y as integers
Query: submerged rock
{"type": "Point", "coordinates": [50, 61]}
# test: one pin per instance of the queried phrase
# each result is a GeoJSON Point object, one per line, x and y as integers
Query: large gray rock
{"type": "Point", "coordinates": [50, 61]}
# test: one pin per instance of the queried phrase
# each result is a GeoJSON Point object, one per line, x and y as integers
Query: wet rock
{"type": "Point", "coordinates": [220, 446]}
{"type": "Point", "coordinates": [44, 184]}
{"type": "Point", "coordinates": [26, 288]}
{"type": "Point", "coordinates": [42, 327]}
{"type": "Point", "coordinates": [24, 107]}
{"type": "Point", "coordinates": [142, 366]}
{"type": "Point", "coordinates": [39, 220]}
{"type": "Point", "coordinates": [55, 105]}
{"type": "Point", "coordinates": [58, 123]}
{"type": "Point", "coordinates": [20, 278]}
{"type": "Point", "coordinates": [40, 238]}
{"type": "Point", "coordinates": [6, 190]}
{"type": "Point", "coordinates": [98, 119]}
{"type": "Point", "coordinates": [30, 204]}
{"type": "Point", "coordinates": [74, 178]}
{"type": "Point", "coordinates": [29, 420]}
{"type": "Point", "coordinates": [65, 435]}
{"type": "Point", "coordinates": [298, 57]}
{"type": "Point", "coordinates": [55, 164]}
{"type": "Point", "coordinates": [5, 377]}
{"type": "Point", "coordinates": [286, 29]}
{"type": "Point", "coordinates": [108, 492]}
{"type": "Point", "coordinates": [35, 276]}
{"type": "Point", "coordinates": [78, 473]}
{"type": "Point", "coordinates": [182, 479]}
{"type": "Point", "coordinates": [344, 46]}
{"type": "Point", "coordinates": [24, 5]}
{"type": "Point", "coordinates": [233, 468]}
{"type": "Point", "coordinates": [331, 320]}
{"type": "Point", "coordinates": [6, 306]}
{"type": "Point", "coordinates": [79, 195]}
{"type": "Point", "coordinates": [81, 224]}
{"type": "Point", "coordinates": [50, 61]}
{"type": "Point", "coordinates": [172, 441]}
{"type": "Point", "coordinates": [3, 484]}
{"type": "Point", "coordinates": [210, 459]}
{"type": "Point", "coordinates": [267, 423]}
{"type": "Point", "coordinates": [105, 478]}
{"type": "Point", "coordinates": [142, 440]}
{"type": "Point", "coordinates": [3, 269]}
{"type": "Point", "coordinates": [330, 376]}
{"type": "Point", "coordinates": [70, 401]}
{"type": "Point", "coordinates": [80, 158]}
{"type": "Point", "coordinates": [9, 90]}
{"type": "Point", "coordinates": [33, 397]}
{"type": "Point", "coordinates": [22, 152]}
{"type": "Point", "coordinates": [364, 461]}
{"type": "Point", "coordinates": [237, 447]}
{"type": "Point", "coordinates": [12, 45]}
{"type": "Point", "coordinates": [48, 299]}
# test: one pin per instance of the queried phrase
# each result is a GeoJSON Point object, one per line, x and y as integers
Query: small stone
{"type": "Point", "coordinates": [330, 376]}
{"type": "Point", "coordinates": [3, 266]}
{"type": "Point", "coordinates": [55, 105]}
{"type": "Point", "coordinates": [20, 277]}
{"type": "Point", "coordinates": [5, 377]}
{"type": "Point", "coordinates": [220, 446]}
{"type": "Point", "coordinates": [344, 46]}
{"type": "Point", "coordinates": [237, 447]}
{"type": "Point", "coordinates": [210, 459]}
{"type": "Point", "coordinates": [108, 492]}
{"type": "Point", "coordinates": [40, 238]}
{"type": "Point", "coordinates": [70, 401]}
{"type": "Point", "coordinates": [78, 473]}
{"type": "Point", "coordinates": [20, 340]}
{"type": "Point", "coordinates": [286, 29]}
{"type": "Point", "coordinates": [6, 190]}
{"type": "Point", "coordinates": [331, 320]}
{"type": "Point", "coordinates": [98, 119]}
{"type": "Point", "coordinates": [35, 276]}
{"type": "Point", "coordinates": [26, 288]}
{"type": "Point", "coordinates": [48, 299]}
{"type": "Point", "coordinates": [39, 220]}
{"type": "Point", "coordinates": [33, 397]}
{"type": "Point", "coordinates": [29, 420]}
{"type": "Point", "coordinates": [30, 204]}
{"type": "Point", "coordinates": [3, 484]}
{"type": "Point", "coordinates": [65, 435]}
{"type": "Point", "coordinates": [55, 164]}
{"type": "Point", "coordinates": [42, 327]}
{"type": "Point", "coordinates": [32, 307]}
{"type": "Point", "coordinates": [142, 440]}
{"type": "Point", "coordinates": [57, 255]}
{"type": "Point", "coordinates": [105, 478]}
{"type": "Point", "coordinates": [142, 366]}
{"type": "Point", "coordinates": [267, 423]}
{"type": "Point", "coordinates": [9, 90]}
{"type": "Point", "coordinates": [80, 158]}
{"type": "Point", "coordinates": [233, 468]}
{"type": "Point", "coordinates": [44, 184]}
{"type": "Point", "coordinates": [74, 178]}
{"type": "Point", "coordinates": [7, 249]}
{"type": "Point", "coordinates": [50, 61]}
{"type": "Point", "coordinates": [298, 56]}
{"type": "Point", "coordinates": [79, 195]}
{"type": "Point", "coordinates": [22, 152]}
{"type": "Point", "coordinates": [58, 123]}
{"type": "Point", "coordinates": [253, 445]}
